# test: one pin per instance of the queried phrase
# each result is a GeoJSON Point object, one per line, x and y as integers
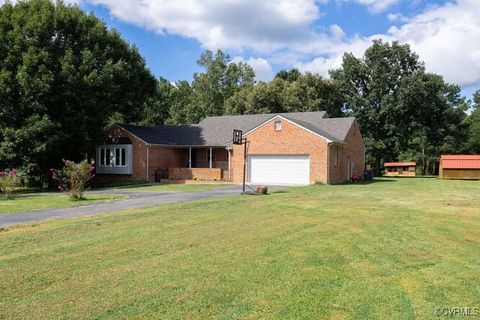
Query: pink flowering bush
{"type": "Point", "coordinates": [8, 182]}
{"type": "Point", "coordinates": [73, 178]}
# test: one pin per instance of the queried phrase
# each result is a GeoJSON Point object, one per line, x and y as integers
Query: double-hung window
{"type": "Point", "coordinates": [114, 159]}
{"type": "Point", "coordinates": [113, 156]}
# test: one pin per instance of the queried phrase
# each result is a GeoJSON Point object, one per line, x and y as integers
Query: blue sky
{"type": "Point", "coordinates": [174, 56]}
{"type": "Point", "coordinates": [311, 35]}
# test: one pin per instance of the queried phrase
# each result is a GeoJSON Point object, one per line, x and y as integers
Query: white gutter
{"type": "Point", "coordinates": [328, 162]}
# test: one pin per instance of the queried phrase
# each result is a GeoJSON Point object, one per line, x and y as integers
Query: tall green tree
{"type": "Point", "coordinates": [158, 107]}
{"type": "Point", "coordinates": [402, 110]}
{"type": "Point", "coordinates": [261, 98]}
{"type": "Point", "coordinates": [289, 91]}
{"type": "Point", "coordinates": [473, 143]}
{"type": "Point", "coordinates": [289, 75]}
{"type": "Point", "coordinates": [63, 74]}
{"type": "Point", "coordinates": [219, 81]}
{"type": "Point", "coordinates": [182, 109]}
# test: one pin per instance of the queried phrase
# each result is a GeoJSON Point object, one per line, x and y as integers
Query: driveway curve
{"type": "Point", "coordinates": [136, 199]}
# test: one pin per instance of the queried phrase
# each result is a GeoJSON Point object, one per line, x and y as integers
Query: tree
{"type": "Point", "coordinates": [473, 143]}
{"type": "Point", "coordinates": [182, 109]}
{"type": "Point", "coordinates": [289, 75]}
{"type": "Point", "coordinates": [310, 92]}
{"type": "Point", "coordinates": [289, 91]}
{"type": "Point", "coordinates": [158, 108]}
{"type": "Point", "coordinates": [402, 110]}
{"type": "Point", "coordinates": [63, 74]}
{"type": "Point", "coordinates": [221, 79]}
{"type": "Point", "coordinates": [261, 98]}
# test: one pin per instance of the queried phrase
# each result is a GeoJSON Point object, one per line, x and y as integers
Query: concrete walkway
{"type": "Point", "coordinates": [137, 199]}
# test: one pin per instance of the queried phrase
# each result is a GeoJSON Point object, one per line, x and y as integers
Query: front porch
{"type": "Point", "coordinates": [201, 164]}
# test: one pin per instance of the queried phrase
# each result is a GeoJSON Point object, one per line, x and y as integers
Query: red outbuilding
{"type": "Point", "coordinates": [465, 167]}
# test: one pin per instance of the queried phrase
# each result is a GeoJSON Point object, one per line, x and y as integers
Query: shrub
{"type": "Point", "coordinates": [73, 178]}
{"type": "Point", "coordinates": [8, 182]}
{"type": "Point", "coordinates": [31, 176]}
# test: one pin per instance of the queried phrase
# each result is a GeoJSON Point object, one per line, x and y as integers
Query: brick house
{"type": "Point", "coordinates": [284, 148]}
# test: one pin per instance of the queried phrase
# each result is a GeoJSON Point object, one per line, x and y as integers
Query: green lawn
{"type": "Point", "coordinates": [393, 249]}
{"type": "Point", "coordinates": [28, 202]}
{"type": "Point", "coordinates": [173, 187]}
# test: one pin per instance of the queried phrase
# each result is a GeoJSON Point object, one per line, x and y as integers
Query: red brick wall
{"type": "Point", "coordinates": [159, 158]}
{"type": "Point", "coordinates": [197, 173]}
{"type": "Point", "coordinates": [291, 140]}
{"type": "Point", "coordinates": [354, 148]}
{"type": "Point", "coordinates": [139, 170]}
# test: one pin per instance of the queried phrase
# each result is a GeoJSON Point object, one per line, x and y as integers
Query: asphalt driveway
{"type": "Point", "coordinates": [136, 199]}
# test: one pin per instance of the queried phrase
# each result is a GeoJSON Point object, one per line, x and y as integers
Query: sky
{"type": "Point", "coordinates": [311, 35]}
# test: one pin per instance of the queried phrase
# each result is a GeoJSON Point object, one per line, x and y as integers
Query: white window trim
{"type": "Point", "coordinates": [112, 167]}
{"type": "Point", "coordinates": [113, 156]}
{"type": "Point", "coordinates": [277, 125]}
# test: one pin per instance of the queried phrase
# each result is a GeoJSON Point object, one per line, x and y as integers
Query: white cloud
{"type": "Point", "coordinates": [233, 24]}
{"type": "Point", "coordinates": [397, 17]}
{"type": "Point", "coordinates": [445, 37]}
{"type": "Point", "coordinates": [263, 69]}
{"type": "Point", "coordinates": [374, 6]}
{"type": "Point", "coordinates": [337, 31]}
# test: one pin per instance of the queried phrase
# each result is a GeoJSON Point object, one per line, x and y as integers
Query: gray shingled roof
{"type": "Point", "coordinates": [217, 131]}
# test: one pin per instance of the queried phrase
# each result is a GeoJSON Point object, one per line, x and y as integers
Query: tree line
{"type": "Point", "coordinates": [65, 77]}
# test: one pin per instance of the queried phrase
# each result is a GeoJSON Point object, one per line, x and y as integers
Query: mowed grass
{"type": "Point", "coordinates": [392, 249]}
{"type": "Point", "coordinates": [173, 187]}
{"type": "Point", "coordinates": [29, 202]}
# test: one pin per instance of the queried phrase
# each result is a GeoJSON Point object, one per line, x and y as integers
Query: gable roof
{"type": "Point", "coordinates": [399, 164]}
{"type": "Point", "coordinates": [460, 161]}
{"type": "Point", "coordinates": [217, 131]}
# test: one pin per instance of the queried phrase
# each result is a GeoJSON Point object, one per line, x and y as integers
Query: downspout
{"type": "Point", "coordinates": [364, 162]}
{"type": "Point", "coordinates": [148, 164]}
{"type": "Point", "coordinates": [328, 162]}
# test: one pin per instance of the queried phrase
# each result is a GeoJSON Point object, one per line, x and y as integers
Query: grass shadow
{"type": "Point", "coordinates": [366, 182]}
{"type": "Point", "coordinates": [279, 192]}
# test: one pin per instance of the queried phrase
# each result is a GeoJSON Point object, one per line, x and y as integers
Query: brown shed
{"type": "Point", "coordinates": [401, 169]}
{"type": "Point", "coordinates": [464, 167]}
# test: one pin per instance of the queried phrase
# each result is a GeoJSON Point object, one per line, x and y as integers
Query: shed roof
{"type": "Point", "coordinates": [217, 131]}
{"type": "Point", "coordinates": [400, 164]}
{"type": "Point", "coordinates": [463, 161]}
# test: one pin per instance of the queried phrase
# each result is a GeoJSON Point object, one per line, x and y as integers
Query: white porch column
{"type": "Point", "coordinates": [210, 162]}
{"type": "Point", "coordinates": [189, 158]}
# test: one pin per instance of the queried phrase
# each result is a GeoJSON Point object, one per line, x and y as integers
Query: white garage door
{"type": "Point", "coordinates": [279, 170]}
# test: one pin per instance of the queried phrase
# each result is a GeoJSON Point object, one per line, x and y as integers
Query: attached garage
{"type": "Point", "coordinates": [279, 169]}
